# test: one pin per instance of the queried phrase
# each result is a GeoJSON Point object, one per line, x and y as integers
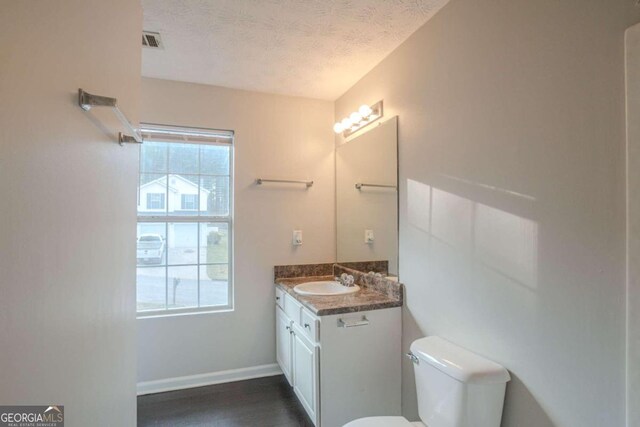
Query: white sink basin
{"type": "Point", "coordinates": [325, 287]}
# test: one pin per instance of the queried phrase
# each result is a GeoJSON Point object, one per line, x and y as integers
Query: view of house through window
{"type": "Point", "coordinates": [184, 221]}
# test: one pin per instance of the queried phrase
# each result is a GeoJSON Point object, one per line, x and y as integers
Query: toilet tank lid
{"type": "Point", "coordinates": [457, 362]}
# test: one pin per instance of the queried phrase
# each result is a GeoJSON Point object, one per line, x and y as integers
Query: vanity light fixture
{"type": "Point", "coordinates": [358, 119]}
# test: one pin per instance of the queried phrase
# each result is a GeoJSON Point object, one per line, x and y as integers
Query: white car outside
{"type": "Point", "coordinates": [150, 248]}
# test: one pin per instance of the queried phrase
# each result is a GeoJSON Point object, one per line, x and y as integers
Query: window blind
{"type": "Point", "coordinates": [192, 135]}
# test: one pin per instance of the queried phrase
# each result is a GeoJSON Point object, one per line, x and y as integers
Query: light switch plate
{"type": "Point", "coordinates": [297, 237]}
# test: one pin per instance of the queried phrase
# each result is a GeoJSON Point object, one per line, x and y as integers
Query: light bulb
{"type": "Point", "coordinates": [346, 123]}
{"type": "Point", "coordinates": [365, 111]}
{"type": "Point", "coordinates": [338, 128]}
{"type": "Point", "coordinates": [355, 117]}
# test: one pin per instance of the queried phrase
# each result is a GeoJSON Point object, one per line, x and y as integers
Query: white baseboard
{"type": "Point", "coordinates": [190, 381]}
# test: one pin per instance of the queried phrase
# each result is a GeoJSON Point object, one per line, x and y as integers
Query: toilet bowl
{"type": "Point", "coordinates": [455, 388]}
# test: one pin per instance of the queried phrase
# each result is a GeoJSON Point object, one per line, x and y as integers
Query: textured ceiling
{"type": "Point", "coordinates": [312, 48]}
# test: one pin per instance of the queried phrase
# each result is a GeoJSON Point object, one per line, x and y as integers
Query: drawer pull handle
{"type": "Point", "coordinates": [352, 324]}
{"type": "Point", "coordinates": [277, 298]}
{"type": "Point", "coordinates": [288, 328]}
{"type": "Point", "coordinates": [306, 325]}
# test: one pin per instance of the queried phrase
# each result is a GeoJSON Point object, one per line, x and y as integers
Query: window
{"type": "Point", "coordinates": [185, 228]}
{"type": "Point", "coordinates": [155, 201]}
{"type": "Point", "coordinates": [189, 202]}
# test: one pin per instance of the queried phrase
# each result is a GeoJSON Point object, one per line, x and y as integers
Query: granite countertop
{"type": "Point", "coordinates": [364, 300]}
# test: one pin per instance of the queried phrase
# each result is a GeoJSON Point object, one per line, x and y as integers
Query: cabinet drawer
{"type": "Point", "coordinates": [309, 325]}
{"type": "Point", "coordinates": [280, 298]}
{"type": "Point", "coordinates": [292, 308]}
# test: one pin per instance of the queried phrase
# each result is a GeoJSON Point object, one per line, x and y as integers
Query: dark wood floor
{"type": "Point", "coordinates": [264, 402]}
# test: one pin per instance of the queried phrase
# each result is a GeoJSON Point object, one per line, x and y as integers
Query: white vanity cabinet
{"type": "Point", "coordinates": [298, 351]}
{"type": "Point", "coordinates": [283, 343]}
{"type": "Point", "coordinates": [341, 366]}
{"type": "Point", "coordinates": [305, 363]}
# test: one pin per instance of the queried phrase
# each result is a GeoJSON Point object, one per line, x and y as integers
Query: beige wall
{"type": "Point", "coordinates": [633, 223]}
{"type": "Point", "coordinates": [68, 192]}
{"type": "Point", "coordinates": [276, 137]}
{"type": "Point", "coordinates": [512, 196]}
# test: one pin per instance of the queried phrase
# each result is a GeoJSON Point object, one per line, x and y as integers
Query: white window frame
{"type": "Point", "coordinates": [191, 135]}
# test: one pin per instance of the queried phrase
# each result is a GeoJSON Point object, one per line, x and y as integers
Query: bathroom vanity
{"type": "Point", "coordinates": [341, 354]}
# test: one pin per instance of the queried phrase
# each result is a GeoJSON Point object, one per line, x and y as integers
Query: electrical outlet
{"type": "Point", "coordinates": [368, 237]}
{"type": "Point", "coordinates": [297, 237]}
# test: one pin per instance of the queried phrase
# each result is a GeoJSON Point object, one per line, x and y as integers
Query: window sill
{"type": "Point", "coordinates": [158, 314]}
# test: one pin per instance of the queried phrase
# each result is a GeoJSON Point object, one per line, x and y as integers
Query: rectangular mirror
{"type": "Point", "coordinates": [367, 196]}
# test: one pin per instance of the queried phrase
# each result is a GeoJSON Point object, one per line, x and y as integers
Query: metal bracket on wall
{"type": "Point", "coordinates": [87, 100]}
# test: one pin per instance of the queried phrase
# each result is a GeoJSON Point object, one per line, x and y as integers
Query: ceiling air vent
{"type": "Point", "coordinates": [151, 40]}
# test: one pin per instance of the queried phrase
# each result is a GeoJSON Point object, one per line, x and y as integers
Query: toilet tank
{"type": "Point", "coordinates": [455, 387]}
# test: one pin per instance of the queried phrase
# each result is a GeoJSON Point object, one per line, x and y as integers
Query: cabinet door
{"type": "Point", "coordinates": [305, 373]}
{"type": "Point", "coordinates": [283, 343]}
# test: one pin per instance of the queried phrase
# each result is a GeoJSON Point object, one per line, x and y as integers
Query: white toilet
{"type": "Point", "coordinates": [455, 388]}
